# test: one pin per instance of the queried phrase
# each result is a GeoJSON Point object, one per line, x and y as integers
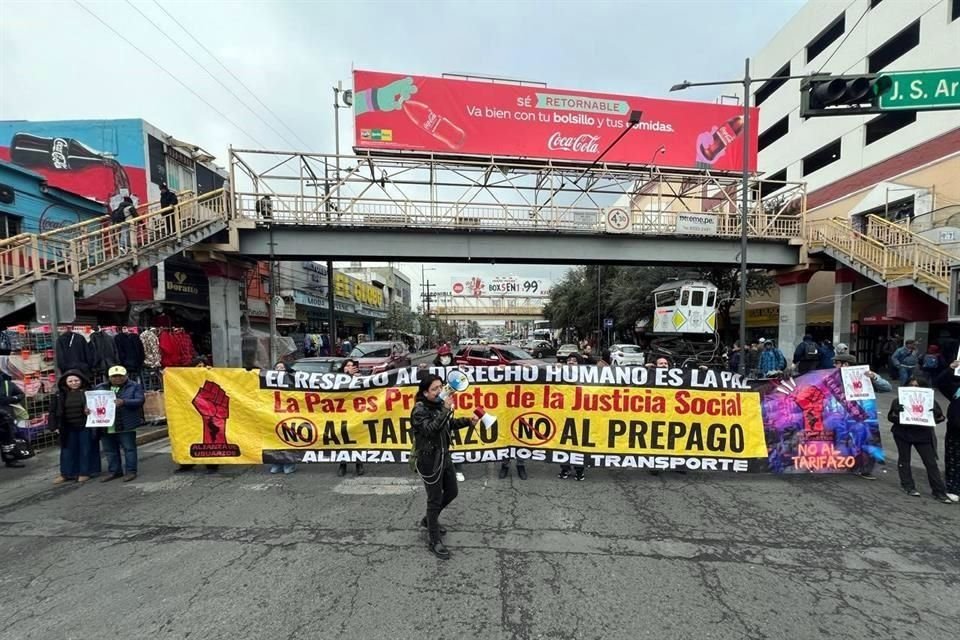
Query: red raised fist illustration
{"type": "Point", "coordinates": [213, 405]}
{"type": "Point", "coordinates": [810, 401]}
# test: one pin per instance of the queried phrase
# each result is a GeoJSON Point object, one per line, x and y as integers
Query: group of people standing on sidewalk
{"type": "Point", "coordinates": [81, 446]}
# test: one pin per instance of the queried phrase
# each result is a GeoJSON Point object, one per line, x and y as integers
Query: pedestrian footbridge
{"type": "Point", "coordinates": [303, 206]}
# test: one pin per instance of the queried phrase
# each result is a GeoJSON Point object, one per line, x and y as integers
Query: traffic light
{"type": "Point", "coordinates": [854, 95]}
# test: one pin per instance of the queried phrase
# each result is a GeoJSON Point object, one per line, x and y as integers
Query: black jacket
{"type": "Point", "coordinates": [10, 394]}
{"type": "Point", "coordinates": [431, 423]}
{"type": "Point", "coordinates": [129, 351]}
{"type": "Point", "coordinates": [55, 417]}
{"type": "Point", "coordinates": [168, 199]}
{"type": "Point", "coordinates": [104, 351]}
{"type": "Point", "coordinates": [74, 352]}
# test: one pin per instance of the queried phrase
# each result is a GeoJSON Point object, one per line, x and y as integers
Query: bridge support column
{"type": "Point", "coordinates": [793, 310]}
{"type": "Point", "coordinates": [225, 322]}
{"type": "Point", "coordinates": [844, 279]}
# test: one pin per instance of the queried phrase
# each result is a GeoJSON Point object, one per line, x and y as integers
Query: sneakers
{"type": "Point", "coordinates": [580, 475]}
{"type": "Point", "coordinates": [277, 468]}
{"type": "Point", "coordinates": [460, 476]}
{"type": "Point", "coordinates": [130, 477]}
{"type": "Point", "coordinates": [943, 498]}
{"type": "Point", "coordinates": [437, 549]}
{"type": "Point", "coordinates": [865, 475]}
{"type": "Point", "coordinates": [564, 474]}
{"type": "Point", "coordinates": [913, 493]}
{"type": "Point", "coordinates": [61, 480]}
{"type": "Point", "coordinates": [112, 476]}
{"type": "Point", "coordinates": [289, 468]}
{"type": "Point", "coordinates": [953, 497]}
{"type": "Point", "coordinates": [82, 479]}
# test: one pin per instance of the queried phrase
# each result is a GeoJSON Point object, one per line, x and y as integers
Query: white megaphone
{"type": "Point", "coordinates": [486, 419]}
{"type": "Point", "coordinates": [456, 381]}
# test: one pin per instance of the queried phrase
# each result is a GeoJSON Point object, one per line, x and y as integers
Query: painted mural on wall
{"type": "Point", "coordinates": [103, 160]}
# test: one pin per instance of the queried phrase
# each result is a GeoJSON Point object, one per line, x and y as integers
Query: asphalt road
{"type": "Point", "coordinates": [243, 554]}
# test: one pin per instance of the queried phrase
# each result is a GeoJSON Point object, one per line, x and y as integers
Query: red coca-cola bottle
{"type": "Point", "coordinates": [723, 137]}
{"type": "Point", "coordinates": [433, 123]}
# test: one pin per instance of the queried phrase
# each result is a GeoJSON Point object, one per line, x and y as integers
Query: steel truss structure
{"type": "Point", "coordinates": [500, 195]}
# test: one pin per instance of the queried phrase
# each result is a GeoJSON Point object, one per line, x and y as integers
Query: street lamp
{"type": "Point", "coordinates": [744, 186]}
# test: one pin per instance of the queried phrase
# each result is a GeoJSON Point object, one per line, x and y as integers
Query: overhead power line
{"type": "Point", "coordinates": [162, 68]}
{"type": "Point", "coordinates": [233, 75]}
{"type": "Point", "coordinates": [207, 71]}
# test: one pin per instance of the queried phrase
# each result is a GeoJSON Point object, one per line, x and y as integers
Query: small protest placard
{"type": "Point", "coordinates": [916, 406]}
{"type": "Point", "coordinates": [856, 384]}
{"type": "Point", "coordinates": [103, 408]}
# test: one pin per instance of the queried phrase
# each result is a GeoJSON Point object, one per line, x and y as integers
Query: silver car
{"type": "Point", "coordinates": [565, 351]}
{"type": "Point", "coordinates": [626, 354]}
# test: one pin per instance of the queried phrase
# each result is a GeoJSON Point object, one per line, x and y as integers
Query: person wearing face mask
{"type": "Point", "coordinates": [444, 356]}
{"type": "Point", "coordinates": [431, 422]}
{"type": "Point", "coordinates": [923, 439]}
{"type": "Point", "coordinates": [352, 368]}
{"type": "Point", "coordinates": [67, 417]}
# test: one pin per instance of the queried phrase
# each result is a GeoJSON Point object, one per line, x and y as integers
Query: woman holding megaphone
{"type": "Point", "coordinates": [432, 420]}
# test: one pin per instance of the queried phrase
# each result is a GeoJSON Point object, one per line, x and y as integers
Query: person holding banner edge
{"type": "Point", "coordinates": [864, 467]}
{"type": "Point", "coordinates": [351, 367]}
{"type": "Point", "coordinates": [431, 422]}
{"type": "Point", "coordinates": [573, 360]}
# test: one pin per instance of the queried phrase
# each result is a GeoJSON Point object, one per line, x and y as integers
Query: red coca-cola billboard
{"type": "Point", "coordinates": [395, 112]}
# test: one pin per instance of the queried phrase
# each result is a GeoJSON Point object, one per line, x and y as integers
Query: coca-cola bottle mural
{"type": "Point", "coordinates": [435, 124]}
{"type": "Point", "coordinates": [67, 154]}
{"type": "Point", "coordinates": [711, 145]}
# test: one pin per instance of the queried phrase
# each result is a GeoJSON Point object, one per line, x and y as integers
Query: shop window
{"type": "Point", "coordinates": [10, 225]}
{"type": "Point", "coordinates": [894, 48]}
{"type": "Point", "coordinates": [886, 124]}
{"type": "Point", "coordinates": [826, 37]}
{"type": "Point", "coordinates": [773, 133]}
{"type": "Point", "coordinates": [768, 87]}
{"type": "Point", "coordinates": [821, 157]}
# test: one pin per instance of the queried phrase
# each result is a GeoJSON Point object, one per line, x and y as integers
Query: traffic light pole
{"type": "Point", "coordinates": [746, 82]}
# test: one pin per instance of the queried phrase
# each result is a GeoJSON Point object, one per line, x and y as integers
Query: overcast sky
{"type": "Point", "coordinates": [59, 62]}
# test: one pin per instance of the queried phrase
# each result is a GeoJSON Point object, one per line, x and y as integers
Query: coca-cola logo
{"type": "Point", "coordinates": [583, 143]}
{"type": "Point", "coordinates": [58, 153]}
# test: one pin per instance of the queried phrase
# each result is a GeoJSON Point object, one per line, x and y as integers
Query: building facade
{"type": "Point", "coordinates": [899, 165]}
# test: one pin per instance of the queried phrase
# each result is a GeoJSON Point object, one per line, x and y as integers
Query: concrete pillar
{"type": "Point", "coordinates": [793, 318]}
{"type": "Point", "coordinates": [225, 322]}
{"type": "Point", "coordinates": [793, 310]}
{"type": "Point", "coordinates": [844, 280]}
{"type": "Point", "coordinates": [919, 331]}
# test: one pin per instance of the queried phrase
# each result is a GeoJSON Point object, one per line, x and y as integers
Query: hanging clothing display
{"type": "Point", "coordinates": [104, 351]}
{"type": "Point", "coordinates": [151, 348]}
{"type": "Point", "coordinates": [129, 350]}
{"type": "Point", "coordinates": [74, 352]}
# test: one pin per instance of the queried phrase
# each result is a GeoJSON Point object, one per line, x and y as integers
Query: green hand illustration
{"type": "Point", "coordinates": [388, 98]}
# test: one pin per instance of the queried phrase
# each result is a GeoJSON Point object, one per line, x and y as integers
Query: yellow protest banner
{"type": "Point", "coordinates": [577, 415]}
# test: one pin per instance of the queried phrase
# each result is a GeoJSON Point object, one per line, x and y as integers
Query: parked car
{"type": "Point", "coordinates": [319, 365]}
{"type": "Point", "coordinates": [375, 357]}
{"type": "Point", "coordinates": [626, 354]}
{"type": "Point", "coordinates": [493, 355]}
{"type": "Point", "coordinates": [540, 349]}
{"type": "Point", "coordinates": [566, 350]}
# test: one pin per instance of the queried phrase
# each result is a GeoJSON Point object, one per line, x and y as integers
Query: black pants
{"type": "Point", "coordinates": [909, 438]}
{"type": "Point", "coordinates": [567, 468]}
{"type": "Point", "coordinates": [441, 485]}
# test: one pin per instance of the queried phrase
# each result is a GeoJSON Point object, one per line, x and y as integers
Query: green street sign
{"type": "Point", "coordinates": [919, 90]}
